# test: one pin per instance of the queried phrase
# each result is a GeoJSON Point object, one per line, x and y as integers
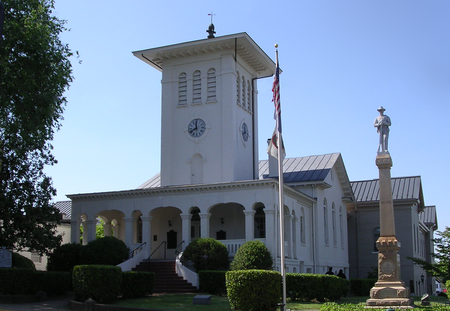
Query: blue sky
{"type": "Point", "coordinates": [341, 60]}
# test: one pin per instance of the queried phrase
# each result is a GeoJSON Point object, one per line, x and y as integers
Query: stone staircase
{"type": "Point", "coordinates": [166, 279]}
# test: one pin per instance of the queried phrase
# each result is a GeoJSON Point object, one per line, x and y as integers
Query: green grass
{"type": "Point", "coordinates": [183, 302]}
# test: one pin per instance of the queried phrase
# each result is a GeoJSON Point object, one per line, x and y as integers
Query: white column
{"type": "Point", "coordinates": [129, 230]}
{"type": "Point", "coordinates": [270, 231]}
{"type": "Point", "coordinates": [204, 222]}
{"type": "Point", "coordinates": [249, 225]}
{"type": "Point", "coordinates": [107, 229]}
{"type": "Point", "coordinates": [75, 230]}
{"type": "Point", "coordinates": [147, 234]}
{"type": "Point", "coordinates": [89, 230]}
{"type": "Point", "coordinates": [185, 230]}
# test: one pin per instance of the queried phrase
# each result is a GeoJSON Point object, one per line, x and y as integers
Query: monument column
{"type": "Point", "coordinates": [389, 290]}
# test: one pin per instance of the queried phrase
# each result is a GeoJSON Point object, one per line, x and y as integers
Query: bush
{"type": "Point", "coordinates": [255, 290]}
{"type": "Point", "coordinates": [101, 283]}
{"type": "Point", "coordinates": [212, 282]}
{"type": "Point", "coordinates": [252, 255]}
{"type": "Point", "coordinates": [137, 284]}
{"type": "Point", "coordinates": [22, 262]}
{"type": "Point", "coordinates": [207, 254]}
{"type": "Point", "coordinates": [307, 287]}
{"type": "Point", "coordinates": [16, 281]}
{"type": "Point", "coordinates": [104, 251]}
{"type": "Point", "coordinates": [361, 287]}
{"type": "Point", "coordinates": [51, 282]}
{"type": "Point", "coordinates": [65, 257]}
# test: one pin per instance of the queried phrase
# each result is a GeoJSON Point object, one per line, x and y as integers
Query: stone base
{"type": "Point", "coordinates": [202, 300]}
{"type": "Point", "coordinates": [389, 294]}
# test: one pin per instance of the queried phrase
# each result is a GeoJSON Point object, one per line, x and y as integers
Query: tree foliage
{"type": "Point", "coordinates": [441, 255]}
{"type": "Point", "coordinates": [34, 73]}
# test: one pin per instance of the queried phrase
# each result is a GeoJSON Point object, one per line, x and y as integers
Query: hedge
{"type": "Point", "coordinates": [307, 287]}
{"type": "Point", "coordinates": [101, 283]}
{"type": "Point", "coordinates": [212, 282]}
{"type": "Point", "coordinates": [207, 254]}
{"type": "Point", "coordinates": [256, 290]}
{"type": "Point", "coordinates": [252, 255]}
{"type": "Point", "coordinates": [16, 281]}
{"type": "Point", "coordinates": [361, 287]}
{"type": "Point", "coordinates": [137, 284]}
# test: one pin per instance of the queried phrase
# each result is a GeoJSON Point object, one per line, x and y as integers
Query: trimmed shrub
{"type": "Point", "coordinates": [257, 290]}
{"type": "Point", "coordinates": [361, 287]}
{"type": "Point", "coordinates": [104, 251]}
{"type": "Point", "coordinates": [207, 254]}
{"type": "Point", "coordinates": [212, 282]}
{"type": "Point", "coordinates": [65, 257]}
{"type": "Point", "coordinates": [252, 255]}
{"type": "Point", "coordinates": [22, 262]}
{"type": "Point", "coordinates": [16, 281]}
{"type": "Point", "coordinates": [101, 283]}
{"type": "Point", "coordinates": [307, 287]}
{"type": "Point", "coordinates": [137, 284]}
{"type": "Point", "coordinates": [51, 282]}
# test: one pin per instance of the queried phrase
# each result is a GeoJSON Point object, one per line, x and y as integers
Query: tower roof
{"type": "Point", "coordinates": [240, 44]}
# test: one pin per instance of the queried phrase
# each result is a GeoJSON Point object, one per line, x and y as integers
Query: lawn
{"type": "Point", "coordinates": [183, 302]}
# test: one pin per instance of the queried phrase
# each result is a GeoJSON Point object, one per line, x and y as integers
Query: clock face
{"type": "Point", "coordinates": [244, 131]}
{"type": "Point", "coordinates": [196, 127]}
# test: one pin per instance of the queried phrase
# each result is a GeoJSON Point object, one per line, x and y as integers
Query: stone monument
{"type": "Point", "coordinates": [389, 290]}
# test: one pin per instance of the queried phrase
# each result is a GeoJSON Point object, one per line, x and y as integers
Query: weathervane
{"type": "Point", "coordinates": [210, 30]}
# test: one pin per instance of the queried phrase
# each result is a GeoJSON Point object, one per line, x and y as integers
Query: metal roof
{"type": "Point", "coordinates": [429, 217]}
{"type": "Point", "coordinates": [403, 188]}
{"type": "Point", "coordinates": [303, 169]}
{"type": "Point", "coordinates": [65, 208]}
{"type": "Point", "coordinates": [295, 170]}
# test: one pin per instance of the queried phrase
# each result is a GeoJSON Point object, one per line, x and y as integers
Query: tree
{"type": "Point", "coordinates": [252, 255]}
{"type": "Point", "coordinates": [441, 268]}
{"type": "Point", "coordinates": [34, 73]}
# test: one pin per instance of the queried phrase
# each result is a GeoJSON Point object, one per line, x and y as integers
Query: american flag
{"type": "Point", "coordinates": [276, 97]}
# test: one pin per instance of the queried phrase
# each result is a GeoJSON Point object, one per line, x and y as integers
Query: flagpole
{"type": "Point", "coordinates": [281, 202]}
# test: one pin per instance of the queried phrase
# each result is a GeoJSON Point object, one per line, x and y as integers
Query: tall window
{"type": "Point", "coordinates": [341, 226]}
{"type": "Point", "coordinates": [211, 85]}
{"type": "Point", "coordinates": [302, 227]}
{"type": "Point", "coordinates": [325, 222]}
{"type": "Point", "coordinates": [333, 220]}
{"type": "Point", "coordinates": [182, 89]}
{"type": "Point", "coordinates": [260, 223]}
{"type": "Point", "coordinates": [197, 87]}
{"type": "Point", "coordinates": [196, 169]}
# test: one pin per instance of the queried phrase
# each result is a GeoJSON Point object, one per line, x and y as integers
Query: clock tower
{"type": "Point", "coordinates": [209, 108]}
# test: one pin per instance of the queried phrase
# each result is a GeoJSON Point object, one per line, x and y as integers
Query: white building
{"type": "Point", "coordinates": [212, 183]}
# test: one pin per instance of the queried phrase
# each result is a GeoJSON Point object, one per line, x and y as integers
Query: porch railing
{"type": "Point", "coordinates": [136, 250]}
{"type": "Point", "coordinates": [233, 245]}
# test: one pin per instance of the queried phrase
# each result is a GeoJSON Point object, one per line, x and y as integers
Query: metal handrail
{"type": "Point", "coordinates": [139, 247]}
{"type": "Point", "coordinates": [176, 249]}
{"type": "Point", "coordinates": [148, 259]}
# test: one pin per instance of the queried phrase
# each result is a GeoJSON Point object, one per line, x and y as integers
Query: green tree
{"type": "Point", "coordinates": [34, 73]}
{"type": "Point", "coordinates": [441, 267]}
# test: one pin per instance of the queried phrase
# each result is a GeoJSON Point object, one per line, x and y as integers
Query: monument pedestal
{"type": "Point", "coordinates": [389, 290]}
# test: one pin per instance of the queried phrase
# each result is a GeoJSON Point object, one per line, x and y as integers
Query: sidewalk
{"type": "Point", "coordinates": [56, 303]}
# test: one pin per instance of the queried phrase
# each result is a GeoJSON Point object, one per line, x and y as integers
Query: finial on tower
{"type": "Point", "coordinates": [210, 30]}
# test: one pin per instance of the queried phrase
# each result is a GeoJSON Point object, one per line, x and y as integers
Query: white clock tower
{"type": "Point", "coordinates": [209, 108]}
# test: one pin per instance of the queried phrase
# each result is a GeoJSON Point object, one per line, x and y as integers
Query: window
{"type": "Point", "coordinates": [341, 226]}
{"type": "Point", "coordinates": [197, 88]}
{"type": "Point", "coordinates": [35, 257]}
{"type": "Point", "coordinates": [139, 230]}
{"type": "Point", "coordinates": [196, 169]}
{"type": "Point", "coordinates": [325, 222]}
{"type": "Point", "coordinates": [333, 220]}
{"type": "Point", "coordinates": [302, 227]}
{"type": "Point", "coordinates": [260, 223]}
{"type": "Point", "coordinates": [182, 89]}
{"type": "Point", "coordinates": [211, 85]}
{"type": "Point", "coordinates": [376, 235]}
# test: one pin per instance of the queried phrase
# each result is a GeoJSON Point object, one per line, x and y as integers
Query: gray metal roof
{"type": "Point", "coordinates": [403, 188]}
{"type": "Point", "coordinates": [303, 169]}
{"type": "Point", "coordinates": [65, 208]}
{"type": "Point", "coordinates": [429, 217]}
{"type": "Point", "coordinates": [296, 170]}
